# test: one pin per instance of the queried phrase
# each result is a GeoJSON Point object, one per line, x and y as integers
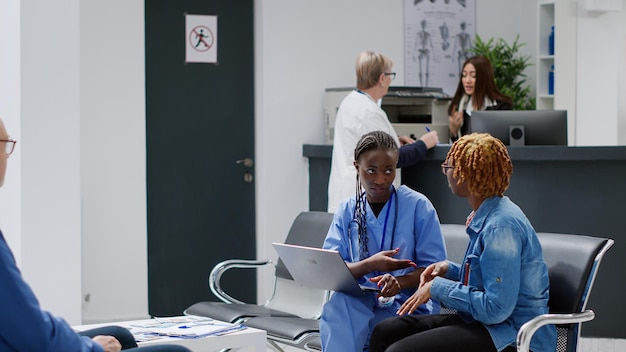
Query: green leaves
{"type": "Point", "coordinates": [508, 69]}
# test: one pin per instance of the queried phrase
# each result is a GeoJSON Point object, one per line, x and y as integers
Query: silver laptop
{"type": "Point", "coordinates": [320, 268]}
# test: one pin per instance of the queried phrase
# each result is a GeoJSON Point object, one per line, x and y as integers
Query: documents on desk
{"type": "Point", "coordinates": [189, 327]}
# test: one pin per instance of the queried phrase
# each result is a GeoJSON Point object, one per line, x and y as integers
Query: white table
{"type": "Point", "coordinates": [251, 339]}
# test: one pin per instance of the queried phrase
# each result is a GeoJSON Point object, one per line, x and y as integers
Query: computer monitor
{"type": "Point", "coordinates": [522, 127]}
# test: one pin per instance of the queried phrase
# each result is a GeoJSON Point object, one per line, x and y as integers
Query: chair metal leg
{"type": "Point", "coordinates": [274, 346]}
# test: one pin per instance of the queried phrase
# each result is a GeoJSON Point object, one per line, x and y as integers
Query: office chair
{"type": "Point", "coordinates": [456, 244]}
{"type": "Point", "coordinates": [573, 262]}
{"type": "Point", "coordinates": [294, 308]}
{"type": "Point", "coordinates": [314, 345]}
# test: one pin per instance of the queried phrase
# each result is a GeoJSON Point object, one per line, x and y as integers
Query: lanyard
{"type": "Point", "coordinates": [355, 227]}
{"type": "Point", "coordinates": [367, 95]}
{"type": "Point", "coordinates": [382, 241]}
{"type": "Point", "coordinates": [395, 220]}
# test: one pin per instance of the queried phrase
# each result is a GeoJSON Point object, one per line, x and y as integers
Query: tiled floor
{"type": "Point", "coordinates": [586, 345]}
{"type": "Point", "coordinates": [602, 345]}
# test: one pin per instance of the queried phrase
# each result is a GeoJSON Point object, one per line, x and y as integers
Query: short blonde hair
{"type": "Point", "coordinates": [483, 163]}
{"type": "Point", "coordinates": [369, 66]}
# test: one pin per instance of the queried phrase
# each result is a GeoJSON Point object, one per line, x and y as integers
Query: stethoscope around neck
{"type": "Point", "coordinates": [355, 225]}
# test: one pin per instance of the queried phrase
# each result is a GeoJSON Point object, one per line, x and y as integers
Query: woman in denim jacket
{"type": "Point", "coordinates": [503, 280]}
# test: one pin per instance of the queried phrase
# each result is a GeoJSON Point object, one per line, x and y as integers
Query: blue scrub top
{"type": "Point", "coordinates": [412, 226]}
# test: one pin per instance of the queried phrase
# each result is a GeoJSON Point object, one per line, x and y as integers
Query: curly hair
{"type": "Point", "coordinates": [483, 163]}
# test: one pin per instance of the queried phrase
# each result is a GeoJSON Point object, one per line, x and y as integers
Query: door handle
{"type": "Point", "coordinates": [247, 162]}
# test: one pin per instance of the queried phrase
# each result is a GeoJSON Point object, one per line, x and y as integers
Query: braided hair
{"type": "Point", "coordinates": [375, 140]}
{"type": "Point", "coordinates": [483, 163]}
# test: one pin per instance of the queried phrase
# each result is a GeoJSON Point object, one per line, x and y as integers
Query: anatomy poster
{"type": "Point", "coordinates": [437, 36]}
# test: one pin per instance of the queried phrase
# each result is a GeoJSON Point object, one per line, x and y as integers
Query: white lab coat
{"type": "Point", "coordinates": [357, 115]}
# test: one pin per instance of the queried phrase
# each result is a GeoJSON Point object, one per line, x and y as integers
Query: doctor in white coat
{"type": "Point", "coordinates": [359, 113]}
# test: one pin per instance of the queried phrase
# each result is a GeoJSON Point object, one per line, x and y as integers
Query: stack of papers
{"type": "Point", "coordinates": [183, 327]}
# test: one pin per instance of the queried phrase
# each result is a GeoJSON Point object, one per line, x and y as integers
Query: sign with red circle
{"type": "Point", "coordinates": [201, 39]}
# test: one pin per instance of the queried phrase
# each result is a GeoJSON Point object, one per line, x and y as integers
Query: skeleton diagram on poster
{"type": "Point", "coordinates": [201, 38]}
{"type": "Point", "coordinates": [437, 36]}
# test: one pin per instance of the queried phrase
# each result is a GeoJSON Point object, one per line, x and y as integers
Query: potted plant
{"type": "Point", "coordinates": [508, 69]}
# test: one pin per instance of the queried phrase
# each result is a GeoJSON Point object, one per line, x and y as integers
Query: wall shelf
{"type": "Point", "coordinates": [560, 14]}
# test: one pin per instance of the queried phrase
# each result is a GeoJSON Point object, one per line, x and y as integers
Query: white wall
{"type": "Point", "coordinates": [303, 47]}
{"type": "Point", "coordinates": [318, 51]}
{"type": "Point", "coordinates": [50, 153]}
{"type": "Point", "coordinates": [113, 160]}
{"type": "Point", "coordinates": [75, 191]}
{"type": "Point", "coordinates": [601, 107]}
{"type": "Point", "coordinates": [74, 202]}
{"type": "Point", "coordinates": [506, 19]}
{"type": "Point", "coordinates": [10, 86]}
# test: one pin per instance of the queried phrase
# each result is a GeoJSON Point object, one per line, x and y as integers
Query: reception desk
{"type": "Point", "coordinates": [579, 190]}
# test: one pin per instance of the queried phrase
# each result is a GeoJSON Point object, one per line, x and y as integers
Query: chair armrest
{"type": "Point", "coordinates": [526, 332]}
{"type": "Point", "coordinates": [220, 268]}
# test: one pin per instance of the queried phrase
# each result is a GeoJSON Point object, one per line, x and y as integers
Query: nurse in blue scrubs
{"type": "Point", "coordinates": [387, 236]}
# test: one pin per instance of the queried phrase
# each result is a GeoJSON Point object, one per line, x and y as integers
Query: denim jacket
{"type": "Point", "coordinates": [503, 281]}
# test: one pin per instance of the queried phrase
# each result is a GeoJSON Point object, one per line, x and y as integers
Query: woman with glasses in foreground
{"type": "Point", "coordinates": [25, 326]}
{"type": "Point", "coordinates": [503, 280]}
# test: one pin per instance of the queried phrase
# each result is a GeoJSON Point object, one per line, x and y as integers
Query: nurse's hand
{"type": "Point", "coordinates": [422, 295]}
{"type": "Point", "coordinates": [388, 284]}
{"type": "Point", "coordinates": [384, 261]}
{"type": "Point", "coordinates": [432, 271]}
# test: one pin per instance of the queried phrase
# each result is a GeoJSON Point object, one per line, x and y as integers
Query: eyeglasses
{"type": "Point", "coordinates": [392, 74]}
{"type": "Point", "coordinates": [445, 167]}
{"type": "Point", "coordinates": [9, 145]}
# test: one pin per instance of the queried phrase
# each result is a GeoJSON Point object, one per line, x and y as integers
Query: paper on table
{"type": "Point", "coordinates": [157, 322]}
{"type": "Point", "coordinates": [195, 330]}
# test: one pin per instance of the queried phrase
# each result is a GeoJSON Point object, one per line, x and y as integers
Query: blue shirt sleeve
{"type": "Point", "coordinates": [24, 325]}
{"type": "Point", "coordinates": [429, 246]}
{"type": "Point", "coordinates": [454, 271]}
{"type": "Point", "coordinates": [493, 281]}
{"type": "Point", "coordinates": [411, 154]}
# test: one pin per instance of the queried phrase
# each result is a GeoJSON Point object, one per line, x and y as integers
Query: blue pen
{"type": "Point", "coordinates": [207, 323]}
{"type": "Point", "coordinates": [427, 129]}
